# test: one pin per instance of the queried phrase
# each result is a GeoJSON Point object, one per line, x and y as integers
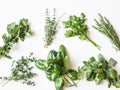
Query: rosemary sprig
{"type": "Point", "coordinates": [50, 28]}
{"type": "Point", "coordinates": [105, 27]}
{"type": "Point", "coordinates": [16, 32]}
{"type": "Point", "coordinates": [21, 70]}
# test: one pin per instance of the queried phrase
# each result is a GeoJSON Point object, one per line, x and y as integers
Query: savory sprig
{"type": "Point", "coordinates": [16, 32]}
{"type": "Point", "coordinates": [56, 69]}
{"type": "Point", "coordinates": [105, 27]}
{"type": "Point", "coordinates": [21, 71]}
{"type": "Point", "coordinates": [77, 27]}
{"type": "Point", "coordinates": [51, 26]}
{"type": "Point", "coordinates": [102, 70]}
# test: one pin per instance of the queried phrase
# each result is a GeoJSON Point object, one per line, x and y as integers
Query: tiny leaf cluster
{"type": "Point", "coordinates": [21, 71]}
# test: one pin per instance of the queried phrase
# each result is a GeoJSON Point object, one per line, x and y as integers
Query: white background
{"type": "Point", "coordinates": [34, 10]}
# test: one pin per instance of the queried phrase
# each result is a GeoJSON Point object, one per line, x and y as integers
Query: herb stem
{"type": "Point", "coordinates": [97, 46]}
{"type": "Point", "coordinates": [74, 84]}
{"type": "Point", "coordinates": [67, 81]}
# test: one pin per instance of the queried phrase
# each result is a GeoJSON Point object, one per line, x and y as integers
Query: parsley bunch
{"type": "Point", "coordinates": [76, 27]}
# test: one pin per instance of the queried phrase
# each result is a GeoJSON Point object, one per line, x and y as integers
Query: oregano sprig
{"type": "Point", "coordinates": [15, 33]}
{"type": "Point", "coordinates": [100, 70]}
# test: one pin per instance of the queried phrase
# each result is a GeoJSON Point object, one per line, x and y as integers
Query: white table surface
{"type": "Point", "coordinates": [34, 11]}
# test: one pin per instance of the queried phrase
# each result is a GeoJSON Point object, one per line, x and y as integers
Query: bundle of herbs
{"type": "Point", "coordinates": [102, 70]}
{"type": "Point", "coordinates": [21, 71]}
{"type": "Point", "coordinates": [105, 27]}
{"type": "Point", "coordinates": [51, 28]}
{"type": "Point", "coordinates": [76, 27]}
{"type": "Point", "coordinates": [16, 32]}
{"type": "Point", "coordinates": [56, 69]}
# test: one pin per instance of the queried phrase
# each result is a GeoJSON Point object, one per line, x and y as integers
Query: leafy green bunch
{"type": "Point", "coordinates": [102, 70]}
{"type": "Point", "coordinates": [56, 69]}
{"type": "Point", "coordinates": [77, 27]}
{"type": "Point", "coordinates": [21, 71]}
{"type": "Point", "coordinates": [16, 32]}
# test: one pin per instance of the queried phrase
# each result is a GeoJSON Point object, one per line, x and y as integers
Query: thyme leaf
{"type": "Point", "coordinates": [21, 70]}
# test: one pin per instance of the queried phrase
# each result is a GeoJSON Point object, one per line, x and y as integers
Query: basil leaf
{"type": "Point", "coordinates": [41, 64]}
{"type": "Point", "coordinates": [66, 63]}
{"type": "Point", "coordinates": [59, 83]}
{"type": "Point", "coordinates": [52, 55]}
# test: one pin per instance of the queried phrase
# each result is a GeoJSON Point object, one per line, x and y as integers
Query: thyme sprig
{"type": "Point", "coordinates": [51, 28]}
{"type": "Point", "coordinates": [21, 70]}
{"type": "Point", "coordinates": [16, 32]}
{"type": "Point", "coordinates": [104, 26]}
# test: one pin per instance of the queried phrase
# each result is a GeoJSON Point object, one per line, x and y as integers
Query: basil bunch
{"type": "Point", "coordinates": [56, 69]}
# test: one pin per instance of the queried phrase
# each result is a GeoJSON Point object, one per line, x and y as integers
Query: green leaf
{"type": "Point", "coordinates": [5, 38]}
{"type": "Point", "coordinates": [117, 85]}
{"type": "Point", "coordinates": [66, 63]}
{"type": "Point", "coordinates": [102, 61]}
{"type": "Point", "coordinates": [72, 74]}
{"type": "Point", "coordinates": [99, 77]}
{"type": "Point", "coordinates": [112, 73]}
{"type": "Point", "coordinates": [10, 27]}
{"type": "Point", "coordinates": [41, 64]}
{"type": "Point", "coordinates": [82, 37]}
{"type": "Point", "coordinates": [79, 74]}
{"type": "Point", "coordinates": [23, 22]}
{"type": "Point", "coordinates": [62, 50]}
{"type": "Point", "coordinates": [90, 75]}
{"type": "Point", "coordinates": [52, 55]}
{"type": "Point", "coordinates": [59, 83]}
{"type": "Point", "coordinates": [112, 62]}
{"type": "Point", "coordinates": [68, 33]}
{"type": "Point", "coordinates": [53, 71]}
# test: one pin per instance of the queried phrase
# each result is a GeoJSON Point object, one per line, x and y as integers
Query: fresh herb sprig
{"type": "Point", "coordinates": [51, 28]}
{"type": "Point", "coordinates": [56, 69]}
{"type": "Point", "coordinates": [77, 27]}
{"type": "Point", "coordinates": [21, 71]}
{"type": "Point", "coordinates": [102, 70]}
{"type": "Point", "coordinates": [16, 32]}
{"type": "Point", "coordinates": [105, 27]}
